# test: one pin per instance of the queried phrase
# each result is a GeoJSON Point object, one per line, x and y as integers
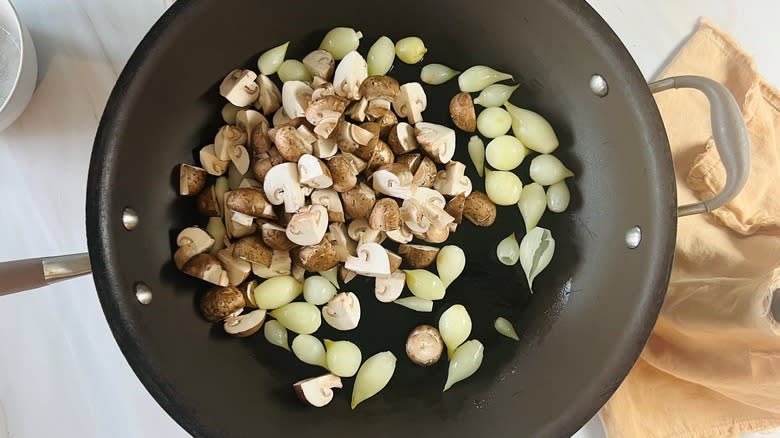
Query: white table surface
{"type": "Point", "coordinates": [61, 373]}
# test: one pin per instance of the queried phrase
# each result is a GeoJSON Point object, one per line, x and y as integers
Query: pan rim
{"type": "Point", "coordinates": [101, 225]}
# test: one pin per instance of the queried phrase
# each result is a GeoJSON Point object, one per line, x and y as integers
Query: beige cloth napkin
{"type": "Point", "coordinates": [712, 365]}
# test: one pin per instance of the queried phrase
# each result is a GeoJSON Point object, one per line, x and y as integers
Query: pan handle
{"type": "Point", "coordinates": [21, 275]}
{"type": "Point", "coordinates": [730, 135]}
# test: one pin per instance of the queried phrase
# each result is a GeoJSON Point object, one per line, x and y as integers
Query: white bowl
{"type": "Point", "coordinates": [15, 94]}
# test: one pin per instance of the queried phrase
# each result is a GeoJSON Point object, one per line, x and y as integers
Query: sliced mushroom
{"type": "Point", "coordinates": [435, 234]}
{"type": "Point", "coordinates": [395, 260]}
{"type": "Point", "coordinates": [385, 117]}
{"type": "Point", "coordinates": [192, 179]}
{"type": "Point", "coordinates": [219, 303]}
{"type": "Point", "coordinates": [380, 87]}
{"type": "Point", "coordinates": [350, 74]}
{"type": "Point", "coordinates": [318, 391]}
{"type": "Point", "coordinates": [371, 261]}
{"type": "Point", "coordinates": [382, 155]}
{"type": "Point", "coordinates": [313, 173]}
{"type": "Point", "coordinates": [270, 98]}
{"type": "Point", "coordinates": [259, 142]}
{"type": "Point", "coordinates": [247, 290]}
{"type": "Point", "coordinates": [237, 269]}
{"type": "Point", "coordinates": [455, 207]}
{"type": "Point", "coordinates": [350, 137]}
{"type": "Point", "coordinates": [425, 175]}
{"type": "Point", "coordinates": [424, 345]}
{"type": "Point", "coordinates": [373, 127]}
{"type": "Point", "coordinates": [320, 64]}
{"type": "Point", "coordinates": [316, 258]}
{"type": "Point", "coordinates": [437, 141]}
{"type": "Point", "coordinates": [345, 275]}
{"type": "Point", "coordinates": [360, 231]}
{"type": "Point", "coordinates": [342, 312]}
{"type": "Point", "coordinates": [296, 96]}
{"type": "Point", "coordinates": [207, 268]}
{"type": "Point", "coordinates": [276, 237]}
{"type": "Point", "coordinates": [358, 201]}
{"type": "Point", "coordinates": [433, 203]}
{"type": "Point", "coordinates": [366, 152]}
{"type": "Point", "coordinates": [345, 247]}
{"type": "Point", "coordinates": [242, 326]}
{"type": "Point", "coordinates": [250, 202]}
{"type": "Point", "coordinates": [479, 209]}
{"type": "Point", "coordinates": [344, 169]}
{"type": "Point", "coordinates": [239, 87]}
{"type": "Point", "coordinates": [397, 184]}
{"type": "Point", "coordinates": [191, 242]}
{"type": "Point", "coordinates": [325, 148]}
{"type": "Point", "coordinates": [211, 163]}
{"type": "Point", "coordinates": [281, 264]}
{"type": "Point", "coordinates": [418, 256]}
{"type": "Point", "coordinates": [291, 144]}
{"type": "Point", "coordinates": [411, 102]}
{"type": "Point", "coordinates": [207, 203]}
{"type": "Point", "coordinates": [324, 114]}
{"type": "Point", "coordinates": [413, 214]}
{"type": "Point", "coordinates": [385, 216]}
{"type": "Point", "coordinates": [265, 162]}
{"type": "Point", "coordinates": [282, 186]}
{"type": "Point", "coordinates": [462, 112]}
{"type": "Point", "coordinates": [329, 199]}
{"type": "Point", "coordinates": [298, 272]}
{"type": "Point", "coordinates": [401, 139]}
{"type": "Point", "coordinates": [227, 138]}
{"type": "Point", "coordinates": [401, 235]}
{"type": "Point", "coordinates": [322, 88]}
{"type": "Point", "coordinates": [235, 230]}
{"type": "Point", "coordinates": [308, 225]}
{"type": "Point", "coordinates": [253, 249]}
{"type": "Point", "coordinates": [280, 118]}
{"type": "Point", "coordinates": [379, 104]}
{"type": "Point", "coordinates": [388, 289]}
{"type": "Point", "coordinates": [249, 121]}
{"type": "Point", "coordinates": [453, 180]}
{"type": "Point", "coordinates": [357, 110]}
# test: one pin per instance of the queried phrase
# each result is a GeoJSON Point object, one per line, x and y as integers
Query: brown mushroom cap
{"type": "Point", "coordinates": [206, 267]}
{"type": "Point", "coordinates": [412, 161]}
{"type": "Point", "coordinates": [435, 234]}
{"type": "Point", "coordinates": [251, 202]}
{"type": "Point", "coordinates": [418, 256]}
{"type": "Point", "coordinates": [253, 249]}
{"type": "Point", "coordinates": [247, 289]}
{"type": "Point", "coordinates": [424, 345]}
{"type": "Point", "coordinates": [380, 87]}
{"type": "Point", "coordinates": [381, 156]}
{"type": "Point", "coordinates": [275, 237]}
{"type": "Point", "coordinates": [425, 174]}
{"type": "Point", "coordinates": [316, 258]}
{"type": "Point", "coordinates": [462, 112]}
{"type": "Point", "coordinates": [358, 201]}
{"type": "Point", "coordinates": [372, 127]}
{"type": "Point", "coordinates": [260, 142]}
{"type": "Point", "coordinates": [290, 143]}
{"type": "Point", "coordinates": [207, 203]}
{"type": "Point", "coordinates": [263, 164]}
{"type": "Point", "coordinates": [192, 179]}
{"type": "Point", "coordinates": [385, 216]}
{"type": "Point", "coordinates": [479, 209]}
{"type": "Point", "coordinates": [455, 207]}
{"type": "Point", "coordinates": [220, 302]}
{"type": "Point", "coordinates": [344, 170]}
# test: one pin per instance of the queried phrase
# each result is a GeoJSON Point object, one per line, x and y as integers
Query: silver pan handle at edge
{"type": "Point", "coordinates": [21, 275]}
{"type": "Point", "coordinates": [730, 135]}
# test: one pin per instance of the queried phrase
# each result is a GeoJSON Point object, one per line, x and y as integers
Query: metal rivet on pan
{"type": "Point", "coordinates": [633, 237]}
{"type": "Point", "coordinates": [599, 85]}
{"type": "Point", "coordinates": [129, 218]}
{"type": "Point", "coordinates": [143, 293]}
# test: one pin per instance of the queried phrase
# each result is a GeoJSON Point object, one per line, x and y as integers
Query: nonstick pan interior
{"type": "Point", "coordinates": [582, 329]}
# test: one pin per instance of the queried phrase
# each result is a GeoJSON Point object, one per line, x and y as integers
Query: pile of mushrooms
{"type": "Point", "coordinates": [336, 174]}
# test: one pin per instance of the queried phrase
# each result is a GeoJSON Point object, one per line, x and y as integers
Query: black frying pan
{"type": "Point", "coordinates": [581, 331]}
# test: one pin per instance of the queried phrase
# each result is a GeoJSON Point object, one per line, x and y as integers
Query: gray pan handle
{"type": "Point", "coordinates": [729, 132]}
{"type": "Point", "coordinates": [21, 275]}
